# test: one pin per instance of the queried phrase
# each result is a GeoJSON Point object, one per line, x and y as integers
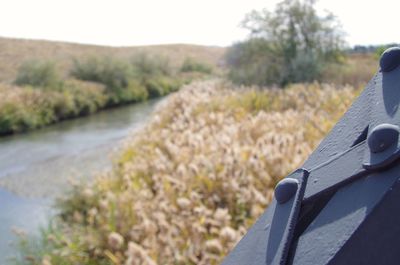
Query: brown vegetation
{"type": "Point", "coordinates": [187, 187]}
{"type": "Point", "coordinates": [356, 70]}
{"type": "Point", "coordinates": [14, 52]}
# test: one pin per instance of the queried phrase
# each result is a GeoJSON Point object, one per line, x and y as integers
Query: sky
{"type": "Point", "coordinates": [204, 22]}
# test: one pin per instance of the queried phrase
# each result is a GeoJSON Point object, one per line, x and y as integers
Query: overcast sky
{"type": "Point", "coordinates": [207, 22]}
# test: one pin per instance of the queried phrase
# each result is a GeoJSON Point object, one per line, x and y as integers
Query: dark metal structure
{"type": "Point", "coordinates": [343, 205]}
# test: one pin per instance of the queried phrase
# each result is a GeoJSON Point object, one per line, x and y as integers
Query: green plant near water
{"type": "Point", "coordinates": [126, 81]}
{"type": "Point", "coordinates": [112, 73]}
{"type": "Point", "coordinates": [146, 66]}
{"type": "Point", "coordinates": [191, 65]}
{"type": "Point", "coordinates": [24, 108]}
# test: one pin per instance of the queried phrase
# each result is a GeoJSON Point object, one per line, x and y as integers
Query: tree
{"type": "Point", "coordinates": [294, 44]}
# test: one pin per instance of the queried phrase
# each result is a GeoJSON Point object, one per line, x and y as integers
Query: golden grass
{"type": "Point", "coordinates": [186, 187]}
{"type": "Point", "coordinates": [14, 52]}
{"type": "Point", "coordinates": [356, 70]}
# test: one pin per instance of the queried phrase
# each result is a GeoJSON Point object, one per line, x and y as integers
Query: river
{"type": "Point", "coordinates": [36, 167]}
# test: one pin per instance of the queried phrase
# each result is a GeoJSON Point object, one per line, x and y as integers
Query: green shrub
{"type": "Point", "coordinates": [38, 74]}
{"type": "Point", "coordinates": [126, 82]}
{"type": "Point", "coordinates": [6, 119]}
{"type": "Point", "coordinates": [161, 86]}
{"type": "Point", "coordinates": [13, 119]}
{"type": "Point", "coordinates": [65, 107]}
{"type": "Point", "coordinates": [27, 108]}
{"type": "Point", "coordinates": [114, 74]}
{"type": "Point", "coordinates": [135, 92]}
{"type": "Point", "coordinates": [154, 88]}
{"type": "Point", "coordinates": [147, 66]}
{"type": "Point", "coordinates": [191, 65]}
{"type": "Point", "coordinates": [87, 97]}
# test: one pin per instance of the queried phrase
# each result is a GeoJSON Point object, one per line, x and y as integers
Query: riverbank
{"type": "Point", "coordinates": [186, 187]}
{"type": "Point", "coordinates": [27, 108]}
{"type": "Point", "coordinates": [75, 148]}
{"type": "Point", "coordinates": [39, 166]}
{"type": "Point", "coordinates": [41, 95]}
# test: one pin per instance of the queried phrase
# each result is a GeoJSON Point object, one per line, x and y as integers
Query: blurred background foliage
{"type": "Point", "coordinates": [38, 74]}
{"type": "Point", "coordinates": [291, 44]}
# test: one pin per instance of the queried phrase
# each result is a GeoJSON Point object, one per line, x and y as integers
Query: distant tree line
{"type": "Point", "coordinates": [371, 48]}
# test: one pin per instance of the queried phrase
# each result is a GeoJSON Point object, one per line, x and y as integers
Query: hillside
{"type": "Point", "coordinates": [13, 52]}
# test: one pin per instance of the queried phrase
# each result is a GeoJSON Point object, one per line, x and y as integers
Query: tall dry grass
{"type": "Point", "coordinates": [187, 187]}
{"type": "Point", "coordinates": [356, 70]}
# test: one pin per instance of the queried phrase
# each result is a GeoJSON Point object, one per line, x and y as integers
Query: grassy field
{"type": "Point", "coordinates": [356, 70]}
{"type": "Point", "coordinates": [14, 52]}
{"type": "Point", "coordinates": [44, 82]}
{"type": "Point", "coordinates": [186, 187]}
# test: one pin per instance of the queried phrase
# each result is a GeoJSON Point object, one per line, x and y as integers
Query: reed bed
{"type": "Point", "coordinates": [186, 187]}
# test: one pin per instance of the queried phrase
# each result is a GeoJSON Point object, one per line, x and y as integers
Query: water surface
{"type": "Point", "coordinates": [35, 167]}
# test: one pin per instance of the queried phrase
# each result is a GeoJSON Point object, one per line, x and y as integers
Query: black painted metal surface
{"type": "Point", "coordinates": [343, 205]}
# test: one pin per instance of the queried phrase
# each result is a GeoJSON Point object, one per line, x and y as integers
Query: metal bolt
{"type": "Point", "coordinates": [286, 189]}
{"type": "Point", "coordinates": [382, 137]}
{"type": "Point", "coordinates": [390, 59]}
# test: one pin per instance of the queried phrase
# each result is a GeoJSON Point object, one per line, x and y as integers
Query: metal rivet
{"type": "Point", "coordinates": [390, 59]}
{"type": "Point", "coordinates": [382, 137]}
{"type": "Point", "coordinates": [285, 189]}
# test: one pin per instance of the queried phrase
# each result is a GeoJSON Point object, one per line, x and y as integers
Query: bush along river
{"type": "Point", "coordinates": [36, 167]}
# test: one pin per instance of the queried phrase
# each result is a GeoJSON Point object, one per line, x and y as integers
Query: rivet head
{"type": "Point", "coordinates": [286, 189]}
{"type": "Point", "coordinates": [382, 137]}
{"type": "Point", "coordinates": [390, 59]}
